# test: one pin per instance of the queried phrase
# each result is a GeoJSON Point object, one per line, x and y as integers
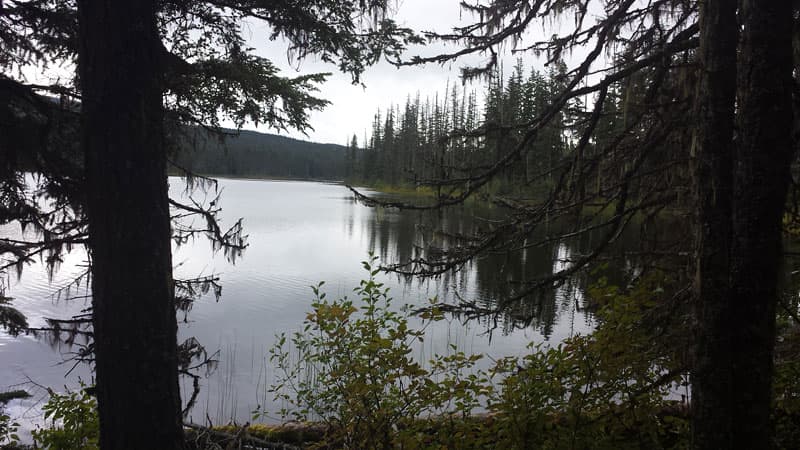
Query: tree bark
{"type": "Point", "coordinates": [129, 223]}
{"type": "Point", "coordinates": [763, 157]}
{"type": "Point", "coordinates": [741, 197]}
{"type": "Point", "coordinates": [713, 153]}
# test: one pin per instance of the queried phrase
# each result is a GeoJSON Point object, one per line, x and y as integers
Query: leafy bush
{"type": "Point", "coordinates": [8, 431]}
{"type": "Point", "coordinates": [9, 439]}
{"type": "Point", "coordinates": [350, 368]}
{"type": "Point", "coordinates": [73, 422]}
{"type": "Point", "coordinates": [605, 390]}
{"type": "Point", "coordinates": [786, 381]}
{"type": "Point", "coordinates": [354, 372]}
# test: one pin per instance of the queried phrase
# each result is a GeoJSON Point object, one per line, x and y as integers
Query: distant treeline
{"type": "Point", "coordinates": [243, 154]}
{"type": "Point", "coordinates": [253, 154]}
{"type": "Point", "coordinates": [463, 132]}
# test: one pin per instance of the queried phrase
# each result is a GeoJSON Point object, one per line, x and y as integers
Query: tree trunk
{"type": "Point", "coordinates": [741, 197]}
{"type": "Point", "coordinates": [713, 187]}
{"type": "Point", "coordinates": [129, 223]}
{"type": "Point", "coordinates": [764, 154]}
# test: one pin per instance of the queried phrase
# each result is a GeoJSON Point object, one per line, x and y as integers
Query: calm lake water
{"type": "Point", "coordinates": [300, 233]}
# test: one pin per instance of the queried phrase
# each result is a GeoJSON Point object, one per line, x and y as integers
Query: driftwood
{"type": "Point", "coordinates": [220, 438]}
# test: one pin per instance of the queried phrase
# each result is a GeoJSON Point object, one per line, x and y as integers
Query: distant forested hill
{"type": "Point", "coordinates": [253, 154]}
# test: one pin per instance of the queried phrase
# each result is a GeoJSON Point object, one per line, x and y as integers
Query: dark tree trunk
{"type": "Point", "coordinates": [741, 197]}
{"type": "Point", "coordinates": [761, 174]}
{"type": "Point", "coordinates": [713, 187]}
{"type": "Point", "coordinates": [129, 224]}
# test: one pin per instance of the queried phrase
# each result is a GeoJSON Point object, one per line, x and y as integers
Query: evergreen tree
{"type": "Point", "coordinates": [146, 69]}
{"type": "Point", "coordinates": [658, 108]}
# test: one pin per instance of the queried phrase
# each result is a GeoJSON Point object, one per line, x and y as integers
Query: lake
{"type": "Point", "coordinates": [300, 233]}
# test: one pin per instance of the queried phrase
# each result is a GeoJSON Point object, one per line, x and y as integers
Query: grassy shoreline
{"type": "Point", "coordinates": [258, 177]}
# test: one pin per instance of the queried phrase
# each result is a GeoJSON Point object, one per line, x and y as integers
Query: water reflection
{"type": "Point", "coordinates": [488, 279]}
{"type": "Point", "coordinates": [301, 233]}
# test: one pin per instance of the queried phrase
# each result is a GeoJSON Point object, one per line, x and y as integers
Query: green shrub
{"type": "Point", "coordinates": [606, 390]}
{"type": "Point", "coordinates": [353, 370]}
{"type": "Point", "coordinates": [786, 381]}
{"type": "Point", "coordinates": [8, 431]}
{"type": "Point", "coordinates": [73, 422]}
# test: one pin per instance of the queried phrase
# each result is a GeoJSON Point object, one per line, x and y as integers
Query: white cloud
{"type": "Point", "coordinates": [353, 107]}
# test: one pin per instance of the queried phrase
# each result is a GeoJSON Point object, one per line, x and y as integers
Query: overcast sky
{"type": "Point", "coordinates": [352, 106]}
